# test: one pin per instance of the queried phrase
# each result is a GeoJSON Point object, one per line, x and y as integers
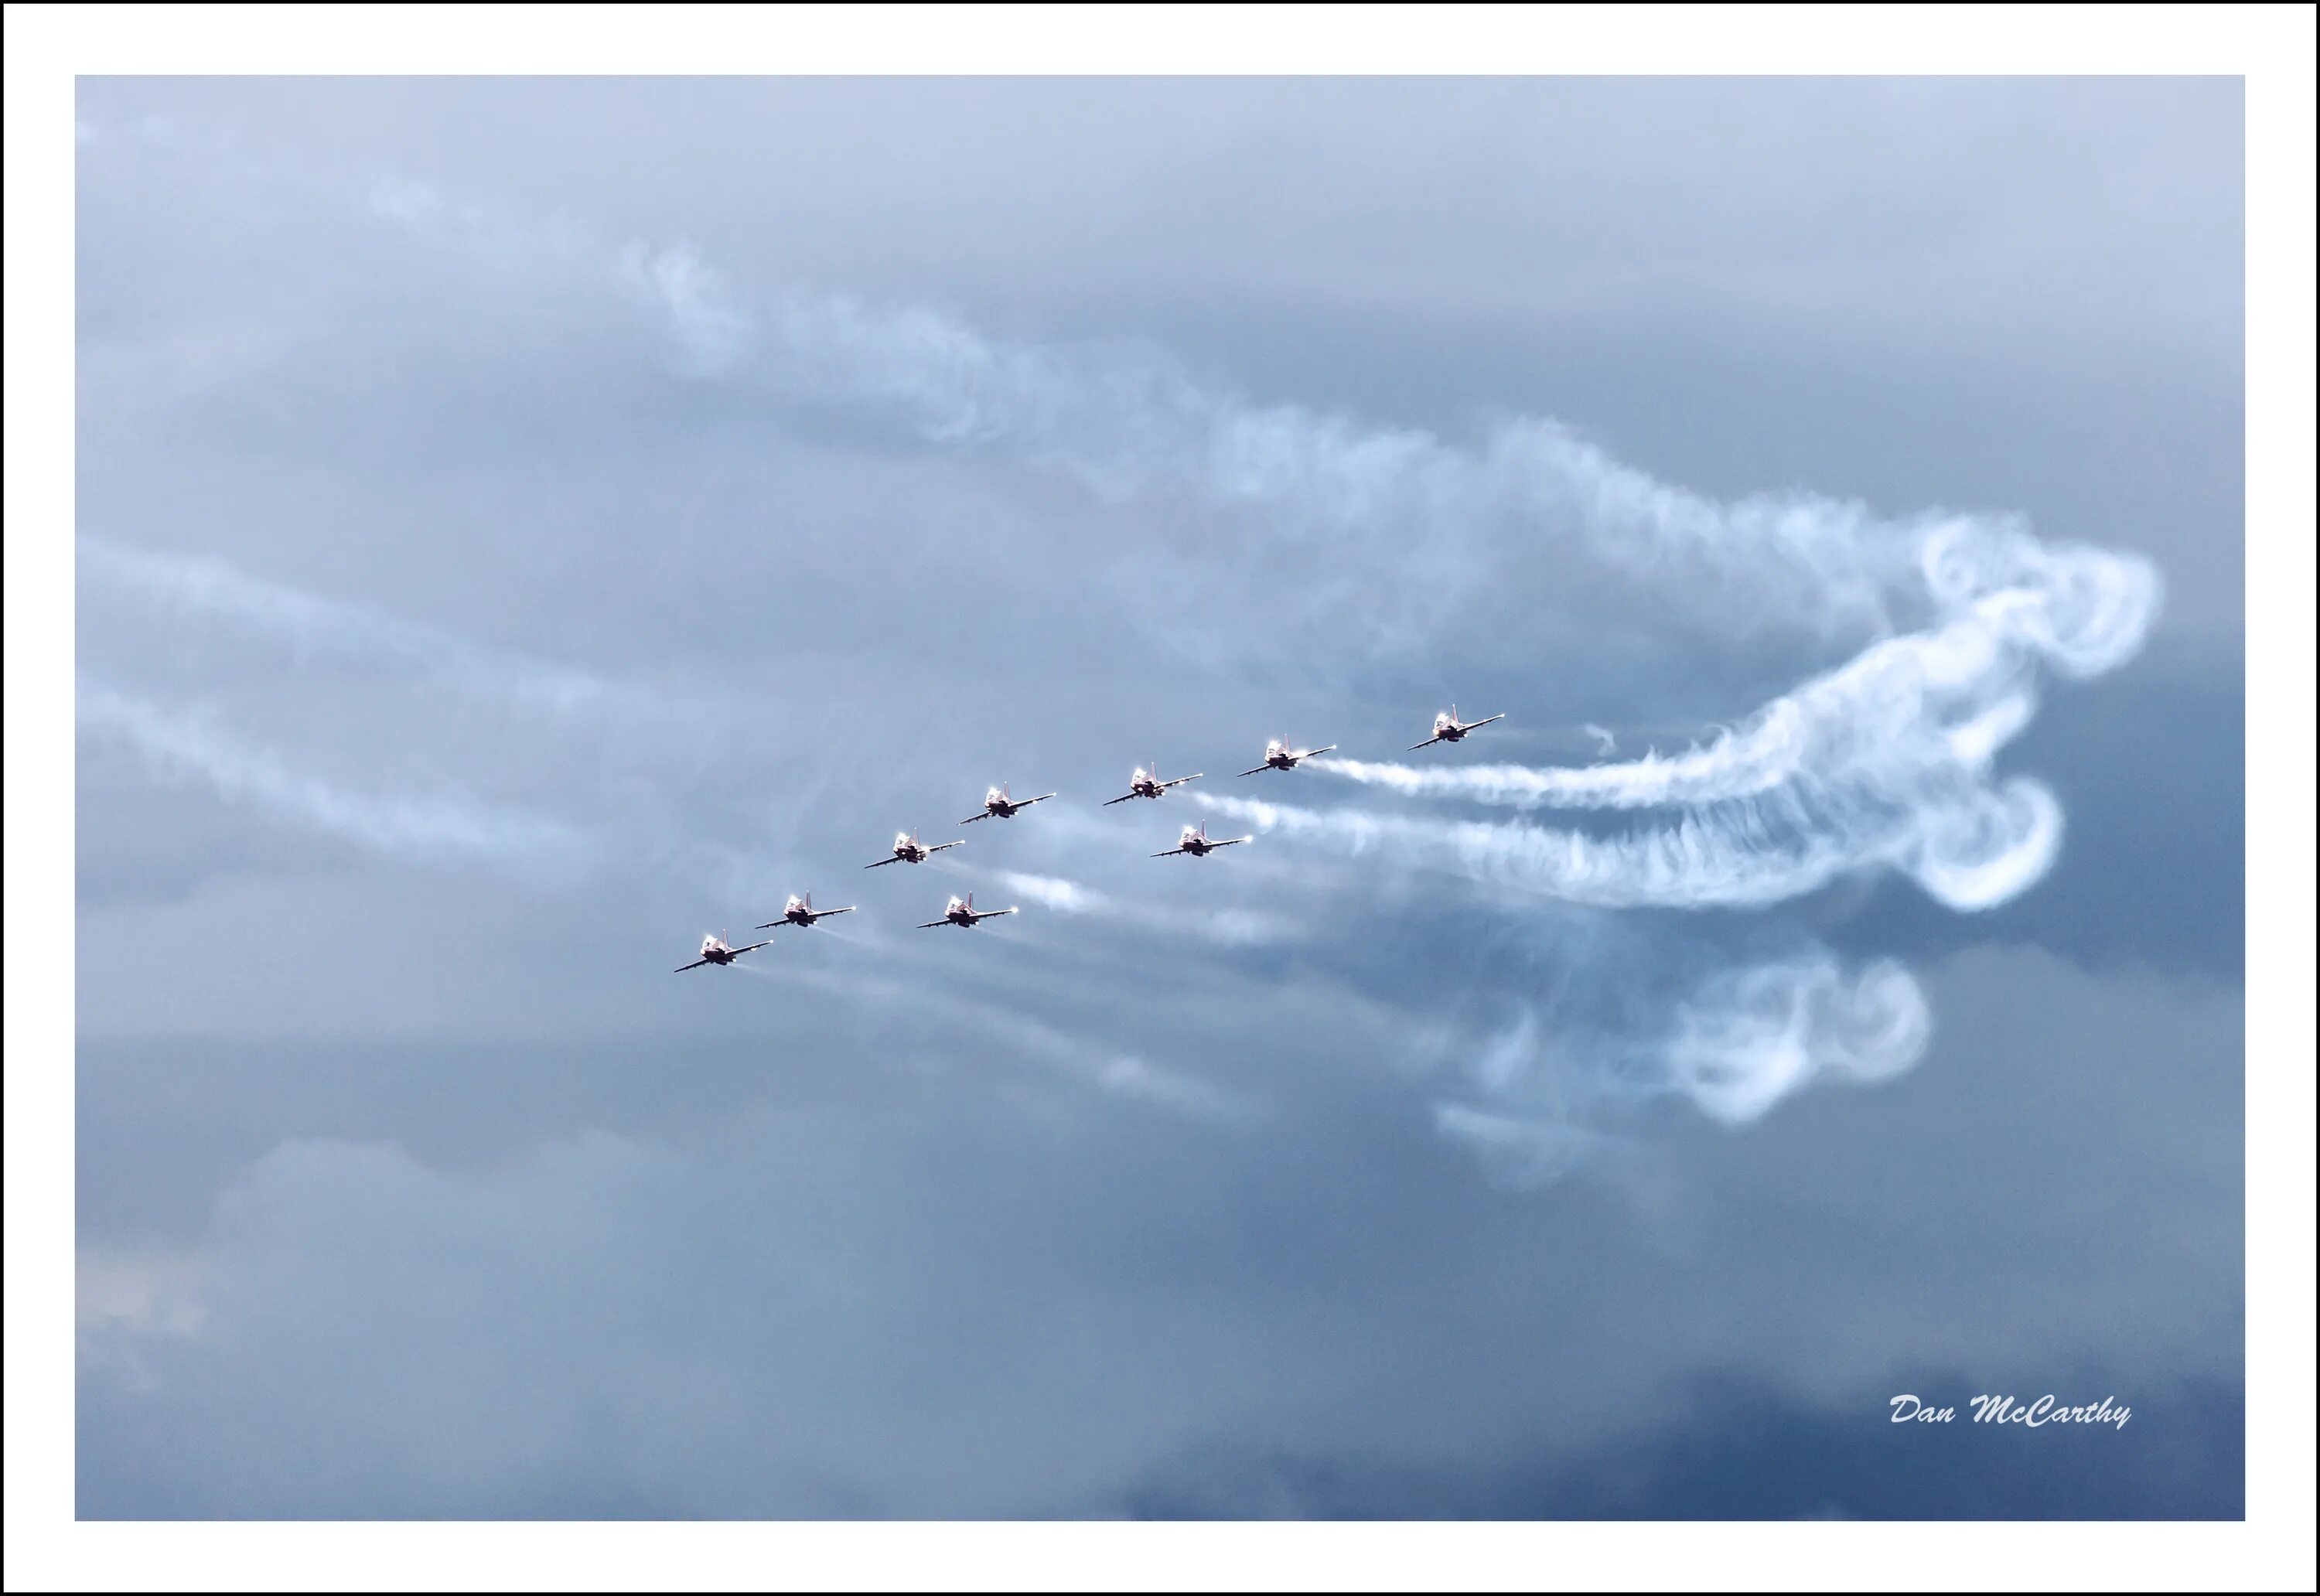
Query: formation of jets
{"type": "Point", "coordinates": [1000, 803]}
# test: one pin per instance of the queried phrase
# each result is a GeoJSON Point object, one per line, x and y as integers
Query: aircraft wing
{"type": "Point", "coordinates": [991, 914]}
{"type": "Point", "coordinates": [939, 846]}
{"type": "Point", "coordinates": [1484, 721]}
{"type": "Point", "coordinates": [932, 924]}
{"type": "Point", "coordinates": [1173, 850]}
{"type": "Point", "coordinates": [770, 924]}
{"type": "Point", "coordinates": [1229, 841]}
{"type": "Point", "coordinates": [752, 948]}
{"type": "Point", "coordinates": [1267, 766]}
{"type": "Point", "coordinates": [1181, 780]}
{"type": "Point", "coordinates": [1428, 743]}
{"type": "Point", "coordinates": [889, 859]}
{"type": "Point", "coordinates": [1124, 797]}
{"type": "Point", "coordinates": [973, 818]}
{"type": "Point", "coordinates": [1025, 803]}
{"type": "Point", "coordinates": [695, 964]}
{"type": "Point", "coordinates": [1309, 753]}
{"type": "Point", "coordinates": [825, 913]}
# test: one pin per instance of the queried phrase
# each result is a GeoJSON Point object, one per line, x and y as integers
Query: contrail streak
{"type": "Point", "coordinates": [1969, 846]}
{"type": "Point", "coordinates": [312, 624]}
{"type": "Point", "coordinates": [1233, 928]}
{"type": "Point", "coordinates": [1946, 698]}
{"type": "Point", "coordinates": [1502, 514]}
{"type": "Point", "coordinates": [1129, 420]}
{"type": "Point", "coordinates": [1117, 1073]}
{"type": "Point", "coordinates": [423, 827]}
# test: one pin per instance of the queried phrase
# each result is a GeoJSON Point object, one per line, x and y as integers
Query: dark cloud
{"type": "Point", "coordinates": [1746, 1450]}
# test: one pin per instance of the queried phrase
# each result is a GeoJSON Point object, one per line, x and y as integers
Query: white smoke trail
{"type": "Point", "coordinates": [1884, 762]}
{"type": "Point", "coordinates": [436, 826]}
{"type": "Point", "coordinates": [1129, 420]}
{"type": "Point", "coordinates": [1969, 846]}
{"type": "Point", "coordinates": [1132, 419]}
{"type": "Point", "coordinates": [312, 624]}
{"type": "Point", "coordinates": [1232, 927]}
{"type": "Point", "coordinates": [1117, 1073]}
{"type": "Point", "coordinates": [1940, 701]}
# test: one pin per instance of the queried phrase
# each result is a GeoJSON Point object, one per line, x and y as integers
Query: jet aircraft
{"type": "Point", "coordinates": [1146, 784]}
{"type": "Point", "coordinates": [963, 913]}
{"type": "Point", "coordinates": [1196, 842]}
{"type": "Point", "coordinates": [910, 850]}
{"type": "Point", "coordinates": [1449, 728]}
{"type": "Point", "coordinates": [1280, 755]}
{"type": "Point", "coordinates": [998, 806]}
{"type": "Point", "coordinates": [800, 912]}
{"type": "Point", "coordinates": [715, 950]}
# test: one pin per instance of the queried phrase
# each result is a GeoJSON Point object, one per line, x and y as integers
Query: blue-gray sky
{"type": "Point", "coordinates": [521, 525]}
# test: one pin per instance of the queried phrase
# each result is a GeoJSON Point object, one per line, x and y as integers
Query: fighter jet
{"type": "Point", "coordinates": [1449, 728]}
{"type": "Point", "coordinates": [996, 805]}
{"type": "Point", "coordinates": [963, 913]}
{"type": "Point", "coordinates": [714, 950]}
{"type": "Point", "coordinates": [910, 850]}
{"type": "Point", "coordinates": [1196, 842]}
{"type": "Point", "coordinates": [1146, 784]}
{"type": "Point", "coordinates": [1280, 755]}
{"type": "Point", "coordinates": [800, 912]}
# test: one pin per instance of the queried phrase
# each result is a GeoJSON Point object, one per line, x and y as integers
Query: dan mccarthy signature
{"type": "Point", "coordinates": [2005, 1409]}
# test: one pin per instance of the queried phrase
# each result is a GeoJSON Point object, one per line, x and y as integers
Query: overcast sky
{"type": "Point", "coordinates": [525, 525]}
